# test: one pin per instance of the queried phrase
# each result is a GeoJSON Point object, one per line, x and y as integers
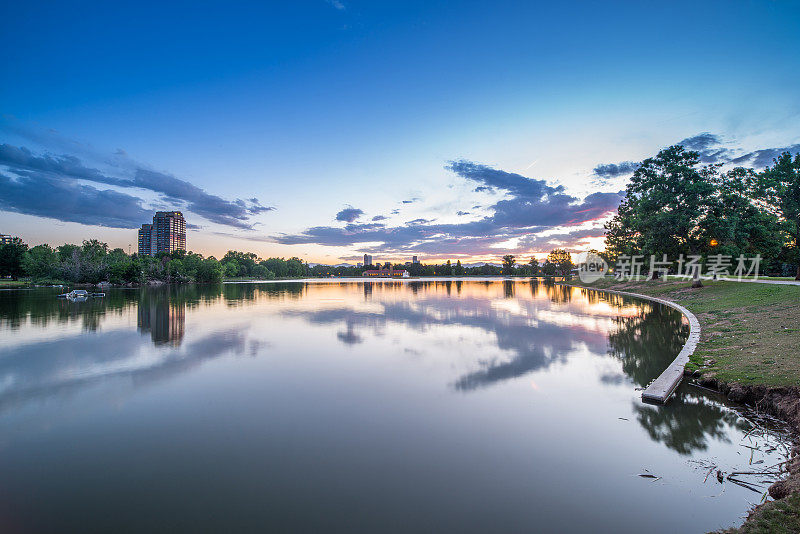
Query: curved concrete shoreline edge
{"type": "Point", "coordinates": [660, 390]}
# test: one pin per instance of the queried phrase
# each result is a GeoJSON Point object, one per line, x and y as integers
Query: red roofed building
{"type": "Point", "coordinates": [386, 273]}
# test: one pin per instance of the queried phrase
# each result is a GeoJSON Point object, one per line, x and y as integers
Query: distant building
{"type": "Point", "coordinates": [166, 234]}
{"type": "Point", "coordinates": [367, 260]}
{"type": "Point", "coordinates": [386, 273]}
{"type": "Point", "coordinates": [414, 259]}
{"type": "Point", "coordinates": [146, 240]}
{"type": "Point", "coordinates": [6, 239]}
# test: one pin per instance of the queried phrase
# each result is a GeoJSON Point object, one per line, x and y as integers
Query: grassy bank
{"type": "Point", "coordinates": [774, 517]}
{"type": "Point", "coordinates": [750, 332]}
{"type": "Point", "coordinates": [13, 284]}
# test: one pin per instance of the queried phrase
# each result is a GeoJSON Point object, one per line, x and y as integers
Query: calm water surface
{"type": "Point", "coordinates": [415, 406]}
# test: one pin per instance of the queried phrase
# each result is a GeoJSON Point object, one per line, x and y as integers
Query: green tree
{"type": "Point", "coordinates": [191, 264]}
{"type": "Point", "coordinates": [209, 271]}
{"type": "Point", "coordinates": [12, 256]}
{"type": "Point", "coordinates": [549, 268]}
{"type": "Point", "coordinates": [780, 185]}
{"type": "Point", "coordinates": [277, 266]}
{"type": "Point", "coordinates": [448, 269]}
{"type": "Point", "coordinates": [561, 260]}
{"type": "Point", "coordinates": [295, 267]}
{"type": "Point", "coordinates": [736, 222]}
{"type": "Point", "coordinates": [665, 205]}
{"type": "Point", "coordinates": [508, 264]}
{"type": "Point", "coordinates": [231, 268]}
{"type": "Point", "coordinates": [41, 262]}
{"type": "Point", "coordinates": [458, 270]}
{"type": "Point", "coordinates": [246, 261]}
{"type": "Point", "coordinates": [262, 273]}
{"type": "Point", "coordinates": [176, 271]}
{"type": "Point", "coordinates": [534, 266]}
{"type": "Point", "coordinates": [117, 255]}
{"type": "Point", "coordinates": [92, 262]}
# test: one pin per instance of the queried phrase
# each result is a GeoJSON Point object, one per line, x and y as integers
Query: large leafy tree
{"type": "Point", "coordinates": [666, 203]}
{"type": "Point", "coordinates": [244, 262]}
{"type": "Point", "coordinates": [448, 269]}
{"type": "Point", "coordinates": [12, 256]}
{"type": "Point", "coordinates": [534, 266]}
{"type": "Point", "coordinates": [780, 186]}
{"type": "Point", "coordinates": [508, 264]}
{"type": "Point", "coordinates": [561, 260]}
{"type": "Point", "coordinates": [41, 262]}
{"type": "Point", "coordinates": [736, 221]}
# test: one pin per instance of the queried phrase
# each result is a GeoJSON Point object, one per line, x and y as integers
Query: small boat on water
{"type": "Point", "coordinates": [80, 295]}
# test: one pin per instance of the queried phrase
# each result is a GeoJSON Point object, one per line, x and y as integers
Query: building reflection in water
{"type": "Point", "coordinates": [165, 320]}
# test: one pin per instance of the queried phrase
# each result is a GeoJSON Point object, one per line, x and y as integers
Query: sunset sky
{"type": "Point", "coordinates": [327, 129]}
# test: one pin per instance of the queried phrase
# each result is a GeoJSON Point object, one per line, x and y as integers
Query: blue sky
{"type": "Point", "coordinates": [427, 117]}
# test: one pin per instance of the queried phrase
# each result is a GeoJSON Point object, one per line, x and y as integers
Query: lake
{"type": "Point", "coordinates": [385, 406]}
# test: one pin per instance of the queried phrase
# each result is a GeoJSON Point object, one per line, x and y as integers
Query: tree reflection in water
{"type": "Point", "coordinates": [646, 343]}
{"type": "Point", "coordinates": [687, 422]}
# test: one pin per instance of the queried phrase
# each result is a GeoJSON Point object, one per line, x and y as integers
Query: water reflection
{"type": "Point", "coordinates": [646, 341]}
{"type": "Point", "coordinates": [531, 334]}
{"type": "Point", "coordinates": [163, 318]}
{"type": "Point", "coordinates": [531, 337]}
{"type": "Point", "coordinates": [37, 371]}
{"type": "Point", "coordinates": [526, 344]}
{"type": "Point", "coordinates": [468, 403]}
{"type": "Point", "coordinates": [33, 369]}
{"type": "Point", "coordinates": [539, 326]}
{"type": "Point", "coordinates": [688, 422]}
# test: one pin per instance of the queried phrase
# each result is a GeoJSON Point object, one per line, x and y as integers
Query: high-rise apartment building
{"type": "Point", "coordinates": [146, 240]}
{"type": "Point", "coordinates": [166, 234]}
{"type": "Point", "coordinates": [170, 231]}
{"type": "Point", "coordinates": [367, 260]}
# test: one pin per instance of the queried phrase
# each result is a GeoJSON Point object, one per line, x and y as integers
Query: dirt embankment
{"type": "Point", "coordinates": [782, 402]}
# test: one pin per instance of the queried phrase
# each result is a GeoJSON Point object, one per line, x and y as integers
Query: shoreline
{"type": "Point", "coordinates": [780, 401]}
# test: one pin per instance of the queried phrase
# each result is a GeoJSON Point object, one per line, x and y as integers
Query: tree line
{"type": "Point", "coordinates": [93, 262]}
{"type": "Point", "coordinates": [557, 263]}
{"type": "Point", "coordinates": [676, 206]}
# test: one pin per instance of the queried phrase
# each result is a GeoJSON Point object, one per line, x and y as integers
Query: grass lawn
{"type": "Point", "coordinates": [750, 333]}
{"type": "Point", "coordinates": [775, 517]}
{"type": "Point", "coordinates": [12, 284]}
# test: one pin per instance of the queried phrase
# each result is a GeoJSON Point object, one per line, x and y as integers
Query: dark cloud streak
{"type": "Point", "coordinates": [349, 214]}
{"type": "Point", "coordinates": [59, 174]}
{"type": "Point", "coordinates": [764, 157]}
{"type": "Point", "coordinates": [614, 170]}
{"type": "Point", "coordinates": [38, 194]}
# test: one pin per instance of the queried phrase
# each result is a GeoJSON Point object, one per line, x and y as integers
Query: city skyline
{"type": "Point", "coordinates": [332, 130]}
